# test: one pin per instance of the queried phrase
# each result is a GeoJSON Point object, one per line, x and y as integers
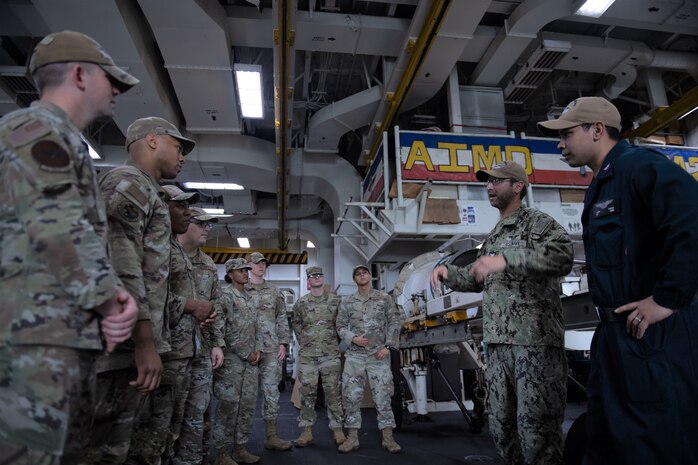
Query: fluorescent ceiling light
{"type": "Point", "coordinates": [594, 8]}
{"type": "Point", "coordinates": [310, 245]}
{"type": "Point", "coordinates": [249, 82]}
{"type": "Point", "coordinates": [244, 242]}
{"type": "Point", "coordinates": [214, 186]}
{"type": "Point", "coordinates": [214, 211]}
{"type": "Point", "coordinates": [93, 153]}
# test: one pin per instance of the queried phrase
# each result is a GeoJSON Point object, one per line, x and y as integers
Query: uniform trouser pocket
{"type": "Point", "coordinates": [644, 363]}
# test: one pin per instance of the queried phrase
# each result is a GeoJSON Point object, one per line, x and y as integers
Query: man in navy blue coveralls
{"type": "Point", "coordinates": [640, 224]}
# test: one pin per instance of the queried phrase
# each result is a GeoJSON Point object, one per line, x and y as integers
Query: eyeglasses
{"type": "Point", "coordinates": [496, 181]}
{"type": "Point", "coordinates": [316, 275]}
{"type": "Point", "coordinates": [203, 224]}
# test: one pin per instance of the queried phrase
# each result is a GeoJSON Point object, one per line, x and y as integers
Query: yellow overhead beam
{"type": "Point", "coordinates": [666, 115]}
{"type": "Point", "coordinates": [418, 51]}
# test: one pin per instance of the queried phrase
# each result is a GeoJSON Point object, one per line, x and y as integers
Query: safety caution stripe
{"type": "Point", "coordinates": [220, 256]}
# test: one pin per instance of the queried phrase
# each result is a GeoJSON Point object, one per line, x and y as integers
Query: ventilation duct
{"type": "Point", "coordinates": [14, 81]}
{"type": "Point", "coordinates": [536, 70]}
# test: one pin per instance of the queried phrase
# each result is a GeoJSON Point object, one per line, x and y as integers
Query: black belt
{"type": "Point", "coordinates": [607, 315]}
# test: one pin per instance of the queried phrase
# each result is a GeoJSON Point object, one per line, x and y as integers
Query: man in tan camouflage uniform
{"type": "Point", "coordinates": [369, 324]}
{"type": "Point", "coordinates": [236, 382]}
{"type": "Point", "coordinates": [58, 288]}
{"type": "Point", "coordinates": [139, 235]}
{"type": "Point", "coordinates": [160, 419]}
{"type": "Point", "coordinates": [518, 268]}
{"type": "Point", "coordinates": [192, 444]}
{"type": "Point", "coordinates": [275, 336]}
{"type": "Point", "coordinates": [314, 322]}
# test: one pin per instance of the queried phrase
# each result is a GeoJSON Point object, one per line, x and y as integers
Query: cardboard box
{"type": "Point", "coordinates": [441, 211]}
{"type": "Point", "coordinates": [572, 195]}
{"type": "Point", "coordinates": [675, 139]}
{"type": "Point", "coordinates": [409, 190]}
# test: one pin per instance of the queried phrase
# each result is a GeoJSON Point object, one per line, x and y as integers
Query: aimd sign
{"type": "Point", "coordinates": [456, 158]}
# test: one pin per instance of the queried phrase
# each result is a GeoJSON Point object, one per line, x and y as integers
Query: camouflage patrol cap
{"type": "Point", "coordinates": [176, 194]}
{"type": "Point", "coordinates": [158, 126]}
{"type": "Point", "coordinates": [313, 270]}
{"type": "Point", "coordinates": [71, 46]}
{"type": "Point", "coordinates": [358, 267]}
{"type": "Point", "coordinates": [200, 215]}
{"type": "Point", "coordinates": [256, 257]}
{"type": "Point", "coordinates": [236, 264]}
{"type": "Point", "coordinates": [505, 170]}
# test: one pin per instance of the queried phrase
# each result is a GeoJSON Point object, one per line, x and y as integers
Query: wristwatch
{"type": "Point", "coordinates": [388, 346]}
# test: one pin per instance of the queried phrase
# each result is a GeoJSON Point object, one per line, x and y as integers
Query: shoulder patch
{"type": "Point", "coordinates": [27, 133]}
{"type": "Point", "coordinates": [50, 156]}
{"type": "Point", "coordinates": [128, 211]}
{"type": "Point", "coordinates": [540, 227]}
{"type": "Point", "coordinates": [133, 193]}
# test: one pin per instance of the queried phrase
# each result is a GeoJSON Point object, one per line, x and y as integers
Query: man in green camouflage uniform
{"type": "Point", "coordinates": [192, 444]}
{"type": "Point", "coordinates": [160, 419]}
{"type": "Point", "coordinates": [518, 268]}
{"type": "Point", "coordinates": [369, 324]}
{"type": "Point", "coordinates": [314, 322]}
{"type": "Point", "coordinates": [236, 382]}
{"type": "Point", "coordinates": [275, 336]}
{"type": "Point", "coordinates": [139, 236]}
{"type": "Point", "coordinates": [57, 286]}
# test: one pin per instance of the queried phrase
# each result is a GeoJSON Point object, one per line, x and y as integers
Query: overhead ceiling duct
{"type": "Point", "coordinates": [329, 123]}
{"type": "Point", "coordinates": [14, 79]}
{"type": "Point", "coordinates": [620, 59]}
{"type": "Point", "coordinates": [520, 29]}
{"type": "Point", "coordinates": [618, 80]}
{"type": "Point", "coordinates": [457, 28]}
{"type": "Point", "coordinates": [240, 202]}
{"type": "Point", "coordinates": [535, 71]}
{"type": "Point", "coordinates": [193, 41]}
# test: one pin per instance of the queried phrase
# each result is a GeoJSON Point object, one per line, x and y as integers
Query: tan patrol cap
{"type": "Point", "coordinates": [176, 194]}
{"type": "Point", "coordinates": [505, 170]}
{"type": "Point", "coordinates": [200, 215]}
{"type": "Point", "coordinates": [256, 257]}
{"type": "Point", "coordinates": [584, 110]}
{"type": "Point", "coordinates": [158, 126]}
{"type": "Point", "coordinates": [71, 46]}
{"type": "Point", "coordinates": [313, 270]}
{"type": "Point", "coordinates": [358, 267]}
{"type": "Point", "coordinates": [236, 264]}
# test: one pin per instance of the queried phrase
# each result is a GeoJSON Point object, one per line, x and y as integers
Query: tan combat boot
{"type": "Point", "coordinates": [351, 442]}
{"type": "Point", "coordinates": [224, 458]}
{"type": "Point", "coordinates": [242, 455]}
{"type": "Point", "coordinates": [273, 441]}
{"type": "Point", "coordinates": [389, 443]}
{"type": "Point", "coordinates": [338, 436]}
{"type": "Point", "coordinates": [306, 437]}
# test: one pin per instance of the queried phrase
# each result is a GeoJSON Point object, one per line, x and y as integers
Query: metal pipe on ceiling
{"type": "Point", "coordinates": [284, 37]}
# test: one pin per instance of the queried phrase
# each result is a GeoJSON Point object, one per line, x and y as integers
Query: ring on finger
{"type": "Point", "coordinates": [638, 319]}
